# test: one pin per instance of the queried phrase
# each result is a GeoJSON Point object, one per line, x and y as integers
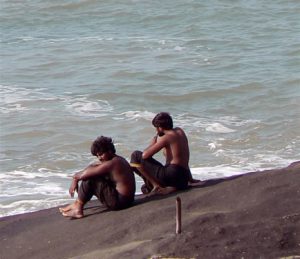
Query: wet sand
{"type": "Point", "coordinates": [253, 215]}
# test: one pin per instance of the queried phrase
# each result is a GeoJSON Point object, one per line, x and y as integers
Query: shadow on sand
{"type": "Point", "coordinates": [94, 207]}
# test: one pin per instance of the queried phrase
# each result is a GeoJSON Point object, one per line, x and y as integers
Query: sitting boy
{"type": "Point", "coordinates": [111, 180]}
{"type": "Point", "coordinates": [175, 174]}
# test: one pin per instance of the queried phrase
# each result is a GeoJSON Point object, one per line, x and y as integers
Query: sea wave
{"type": "Point", "coordinates": [20, 99]}
{"type": "Point", "coordinates": [36, 196]}
{"type": "Point", "coordinates": [25, 206]}
{"type": "Point", "coordinates": [81, 106]}
{"type": "Point", "coordinates": [71, 71]}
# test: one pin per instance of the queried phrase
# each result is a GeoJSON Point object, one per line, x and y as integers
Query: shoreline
{"type": "Point", "coordinates": [252, 215]}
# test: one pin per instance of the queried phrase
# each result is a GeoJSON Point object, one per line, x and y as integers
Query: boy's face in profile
{"type": "Point", "coordinates": [105, 156]}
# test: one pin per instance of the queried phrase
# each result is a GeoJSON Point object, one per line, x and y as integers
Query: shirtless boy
{"type": "Point", "coordinates": [175, 174]}
{"type": "Point", "coordinates": [111, 180]}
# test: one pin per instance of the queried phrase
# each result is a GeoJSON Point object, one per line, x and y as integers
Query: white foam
{"type": "Point", "coordinates": [218, 128]}
{"type": "Point", "coordinates": [270, 161]}
{"type": "Point", "coordinates": [13, 108]}
{"type": "Point", "coordinates": [18, 188]}
{"type": "Point", "coordinates": [214, 145]}
{"type": "Point", "coordinates": [38, 190]}
{"type": "Point", "coordinates": [204, 173]}
{"type": "Point", "coordinates": [19, 175]}
{"type": "Point", "coordinates": [27, 38]}
{"type": "Point", "coordinates": [236, 121]}
{"type": "Point", "coordinates": [48, 192]}
{"type": "Point", "coordinates": [178, 48]}
{"type": "Point", "coordinates": [15, 94]}
{"type": "Point", "coordinates": [260, 162]}
{"type": "Point", "coordinates": [81, 106]}
{"type": "Point", "coordinates": [14, 98]}
{"type": "Point", "coordinates": [134, 115]}
{"type": "Point", "coordinates": [25, 206]}
{"type": "Point", "coordinates": [42, 173]}
{"type": "Point", "coordinates": [215, 124]}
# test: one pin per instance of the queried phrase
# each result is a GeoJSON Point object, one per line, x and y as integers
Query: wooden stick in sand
{"type": "Point", "coordinates": [178, 215]}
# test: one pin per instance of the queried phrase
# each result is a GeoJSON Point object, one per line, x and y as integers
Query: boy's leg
{"type": "Point", "coordinates": [75, 210]}
{"type": "Point", "coordinates": [107, 194]}
{"type": "Point", "coordinates": [149, 170]}
{"type": "Point", "coordinates": [105, 191]}
{"type": "Point", "coordinates": [85, 193]}
{"type": "Point", "coordinates": [68, 207]}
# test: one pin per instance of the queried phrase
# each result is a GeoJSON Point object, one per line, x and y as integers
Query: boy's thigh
{"type": "Point", "coordinates": [176, 176]}
{"type": "Point", "coordinates": [107, 193]}
{"type": "Point", "coordinates": [153, 167]}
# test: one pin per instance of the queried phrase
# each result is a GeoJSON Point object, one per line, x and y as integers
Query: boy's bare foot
{"type": "Point", "coordinates": [76, 205]}
{"type": "Point", "coordinates": [161, 190]}
{"type": "Point", "coordinates": [145, 189]}
{"type": "Point", "coordinates": [67, 208]}
{"type": "Point", "coordinates": [74, 213]}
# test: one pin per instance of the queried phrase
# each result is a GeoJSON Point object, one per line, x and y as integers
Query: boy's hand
{"type": "Point", "coordinates": [73, 187]}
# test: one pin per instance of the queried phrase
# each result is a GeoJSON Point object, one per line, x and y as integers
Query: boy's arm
{"type": "Point", "coordinates": [155, 147]}
{"type": "Point", "coordinates": [94, 170]}
{"type": "Point", "coordinates": [153, 141]}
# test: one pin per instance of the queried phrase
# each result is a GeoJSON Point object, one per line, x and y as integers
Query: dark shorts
{"type": "Point", "coordinates": [105, 190]}
{"type": "Point", "coordinates": [168, 175]}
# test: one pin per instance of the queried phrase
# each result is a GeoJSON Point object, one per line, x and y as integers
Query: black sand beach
{"type": "Point", "coordinates": [254, 215]}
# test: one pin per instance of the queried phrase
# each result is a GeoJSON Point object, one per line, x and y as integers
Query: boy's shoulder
{"type": "Point", "coordinates": [119, 159]}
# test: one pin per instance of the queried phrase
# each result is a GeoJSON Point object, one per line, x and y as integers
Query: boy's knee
{"type": "Point", "coordinates": [136, 156]}
{"type": "Point", "coordinates": [85, 183]}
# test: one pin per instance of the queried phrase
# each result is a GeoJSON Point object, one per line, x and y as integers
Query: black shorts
{"type": "Point", "coordinates": [168, 175]}
{"type": "Point", "coordinates": [105, 190]}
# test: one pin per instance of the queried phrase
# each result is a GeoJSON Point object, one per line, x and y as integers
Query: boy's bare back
{"type": "Point", "coordinates": [176, 147]}
{"type": "Point", "coordinates": [123, 176]}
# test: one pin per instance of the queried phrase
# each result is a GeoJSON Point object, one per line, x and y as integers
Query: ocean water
{"type": "Point", "coordinates": [71, 70]}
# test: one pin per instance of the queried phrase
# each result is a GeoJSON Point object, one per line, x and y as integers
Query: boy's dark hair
{"type": "Point", "coordinates": [163, 120]}
{"type": "Point", "coordinates": [101, 145]}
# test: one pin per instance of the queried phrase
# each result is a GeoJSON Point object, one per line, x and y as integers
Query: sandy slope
{"type": "Point", "coordinates": [255, 215]}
